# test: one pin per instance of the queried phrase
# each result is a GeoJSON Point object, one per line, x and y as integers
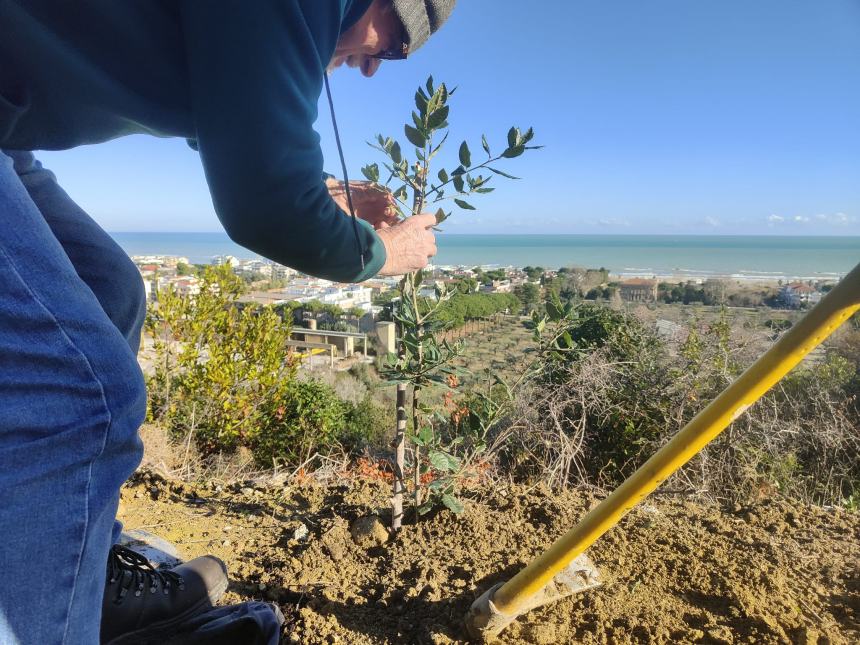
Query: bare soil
{"type": "Point", "coordinates": [675, 571]}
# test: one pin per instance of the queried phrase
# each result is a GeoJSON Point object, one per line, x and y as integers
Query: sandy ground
{"type": "Point", "coordinates": [675, 571]}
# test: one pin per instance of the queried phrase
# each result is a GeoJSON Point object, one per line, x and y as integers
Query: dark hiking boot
{"type": "Point", "coordinates": [142, 604]}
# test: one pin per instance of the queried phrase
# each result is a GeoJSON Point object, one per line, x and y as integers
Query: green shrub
{"type": "Point", "coordinates": [367, 424]}
{"type": "Point", "coordinates": [220, 370]}
{"type": "Point", "coordinates": [310, 419]}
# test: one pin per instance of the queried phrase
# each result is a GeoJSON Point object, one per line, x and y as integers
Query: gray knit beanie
{"type": "Point", "coordinates": [421, 18]}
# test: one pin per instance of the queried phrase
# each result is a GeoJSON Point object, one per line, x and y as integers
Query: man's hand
{"type": "Point", "coordinates": [408, 244]}
{"type": "Point", "coordinates": [373, 203]}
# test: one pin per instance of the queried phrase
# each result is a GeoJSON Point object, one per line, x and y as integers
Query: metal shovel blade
{"type": "Point", "coordinates": [484, 620]}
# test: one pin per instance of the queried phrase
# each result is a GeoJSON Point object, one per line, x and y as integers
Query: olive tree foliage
{"type": "Point", "coordinates": [424, 358]}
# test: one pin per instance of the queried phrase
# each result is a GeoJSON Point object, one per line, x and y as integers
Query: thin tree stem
{"type": "Point", "coordinates": [399, 459]}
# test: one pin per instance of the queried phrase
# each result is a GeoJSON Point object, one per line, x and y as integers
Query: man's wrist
{"type": "Point", "coordinates": [375, 254]}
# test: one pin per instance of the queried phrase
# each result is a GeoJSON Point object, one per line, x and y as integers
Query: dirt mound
{"type": "Point", "coordinates": [674, 571]}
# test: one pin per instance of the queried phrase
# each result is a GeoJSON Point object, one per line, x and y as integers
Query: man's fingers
{"type": "Point", "coordinates": [424, 219]}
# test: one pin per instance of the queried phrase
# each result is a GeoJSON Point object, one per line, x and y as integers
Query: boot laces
{"type": "Point", "coordinates": [135, 574]}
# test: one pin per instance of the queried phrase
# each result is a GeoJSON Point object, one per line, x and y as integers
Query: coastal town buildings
{"type": "Point", "coordinates": [638, 290]}
{"type": "Point", "coordinates": [270, 283]}
{"type": "Point", "coordinates": [798, 294]}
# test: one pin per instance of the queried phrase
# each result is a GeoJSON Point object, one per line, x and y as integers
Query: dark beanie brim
{"type": "Point", "coordinates": [422, 18]}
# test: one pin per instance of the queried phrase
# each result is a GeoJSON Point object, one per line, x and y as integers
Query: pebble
{"type": "Point", "coordinates": [369, 531]}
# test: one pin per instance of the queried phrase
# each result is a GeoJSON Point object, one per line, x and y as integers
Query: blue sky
{"type": "Point", "coordinates": [666, 116]}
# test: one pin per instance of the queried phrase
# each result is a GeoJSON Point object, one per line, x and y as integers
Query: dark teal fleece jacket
{"type": "Point", "coordinates": [241, 78]}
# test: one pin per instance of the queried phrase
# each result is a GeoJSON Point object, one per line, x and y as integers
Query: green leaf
{"type": "Point", "coordinates": [513, 135]}
{"type": "Point", "coordinates": [459, 184]}
{"type": "Point", "coordinates": [421, 102]}
{"type": "Point", "coordinates": [529, 135]}
{"type": "Point", "coordinates": [499, 172]}
{"type": "Point", "coordinates": [430, 89]}
{"type": "Point", "coordinates": [426, 434]}
{"type": "Point", "coordinates": [418, 121]}
{"type": "Point", "coordinates": [459, 170]}
{"type": "Point", "coordinates": [438, 147]}
{"type": "Point", "coordinates": [441, 216]}
{"type": "Point", "coordinates": [465, 155]}
{"type": "Point", "coordinates": [464, 205]}
{"type": "Point", "coordinates": [443, 461]}
{"type": "Point", "coordinates": [395, 152]}
{"type": "Point", "coordinates": [443, 93]}
{"type": "Point", "coordinates": [486, 145]}
{"type": "Point", "coordinates": [439, 460]}
{"type": "Point", "coordinates": [438, 118]}
{"type": "Point", "coordinates": [371, 172]}
{"type": "Point", "coordinates": [415, 137]}
{"type": "Point", "coordinates": [516, 151]}
{"type": "Point", "coordinates": [443, 176]}
{"type": "Point", "coordinates": [554, 308]}
{"type": "Point", "coordinates": [453, 504]}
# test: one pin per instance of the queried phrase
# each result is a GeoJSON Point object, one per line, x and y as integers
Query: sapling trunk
{"type": "Point", "coordinates": [416, 477]}
{"type": "Point", "coordinates": [399, 460]}
{"type": "Point", "coordinates": [400, 434]}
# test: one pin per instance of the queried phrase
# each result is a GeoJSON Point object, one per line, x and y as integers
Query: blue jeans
{"type": "Point", "coordinates": [71, 401]}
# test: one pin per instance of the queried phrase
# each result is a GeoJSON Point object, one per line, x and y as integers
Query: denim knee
{"type": "Point", "coordinates": [129, 306]}
{"type": "Point", "coordinates": [98, 260]}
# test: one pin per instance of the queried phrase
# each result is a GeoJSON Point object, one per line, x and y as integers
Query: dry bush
{"type": "Point", "coordinates": [802, 440]}
{"type": "Point", "coordinates": [602, 414]}
{"type": "Point", "coordinates": [179, 459]}
{"type": "Point", "coordinates": [345, 385]}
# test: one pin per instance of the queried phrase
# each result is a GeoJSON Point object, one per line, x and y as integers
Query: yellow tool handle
{"type": "Point", "coordinates": [834, 309]}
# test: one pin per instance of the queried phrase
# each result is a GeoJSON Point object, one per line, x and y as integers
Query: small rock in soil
{"type": "Point", "coordinates": [368, 531]}
{"type": "Point", "coordinates": [301, 533]}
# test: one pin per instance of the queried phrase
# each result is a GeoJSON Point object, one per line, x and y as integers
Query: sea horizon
{"type": "Point", "coordinates": [745, 257]}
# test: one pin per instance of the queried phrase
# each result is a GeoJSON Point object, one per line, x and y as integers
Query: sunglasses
{"type": "Point", "coordinates": [399, 53]}
{"type": "Point", "coordinates": [395, 53]}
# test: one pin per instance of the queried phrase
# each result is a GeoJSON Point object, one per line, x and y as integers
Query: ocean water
{"type": "Point", "coordinates": [744, 257]}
